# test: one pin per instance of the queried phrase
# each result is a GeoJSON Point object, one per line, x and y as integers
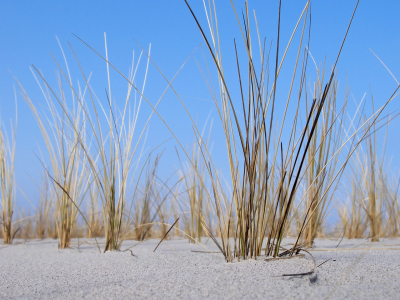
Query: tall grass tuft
{"type": "Point", "coordinates": [261, 210]}
{"type": "Point", "coordinates": [100, 140]}
{"type": "Point", "coordinates": [63, 132]}
{"type": "Point", "coordinates": [258, 207]}
{"type": "Point", "coordinates": [115, 151]}
{"type": "Point", "coordinates": [145, 215]}
{"type": "Point", "coordinates": [7, 183]}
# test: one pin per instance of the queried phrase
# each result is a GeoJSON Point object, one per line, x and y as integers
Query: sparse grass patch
{"type": "Point", "coordinates": [194, 204]}
{"type": "Point", "coordinates": [44, 218]}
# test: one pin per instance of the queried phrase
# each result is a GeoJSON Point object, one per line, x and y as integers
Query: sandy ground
{"type": "Point", "coordinates": [39, 270]}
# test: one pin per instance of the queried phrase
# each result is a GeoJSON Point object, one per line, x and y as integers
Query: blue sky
{"type": "Point", "coordinates": [28, 31]}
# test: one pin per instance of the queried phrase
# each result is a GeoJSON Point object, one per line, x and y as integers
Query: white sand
{"type": "Point", "coordinates": [38, 270]}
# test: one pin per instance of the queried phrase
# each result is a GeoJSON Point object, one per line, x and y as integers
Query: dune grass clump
{"type": "Point", "coordinates": [374, 197]}
{"type": "Point", "coordinates": [115, 151]}
{"type": "Point", "coordinates": [7, 184]}
{"type": "Point", "coordinates": [63, 131]}
{"type": "Point", "coordinates": [309, 151]}
{"type": "Point", "coordinates": [87, 152]}
{"type": "Point", "coordinates": [259, 209]}
{"type": "Point", "coordinates": [370, 173]}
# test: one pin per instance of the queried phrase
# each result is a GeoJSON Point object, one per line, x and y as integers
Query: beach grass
{"type": "Point", "coordinates": [285, 169]}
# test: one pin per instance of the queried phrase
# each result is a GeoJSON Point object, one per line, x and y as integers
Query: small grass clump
{"type": "Point", "coordinates": [95, 226]}
{"type": "Point", "coordinates": [352, 216]}
{"type": "Point", "coordinates": [193, 176]}
{"type": "Point", "coordinates": [44, 212]}
{"type": "Point", "coordinates": [392, 204]}
{"type": "Point", "coordinates": [146, 210]}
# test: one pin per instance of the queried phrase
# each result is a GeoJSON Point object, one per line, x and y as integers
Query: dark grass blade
{"type": "Point", "coordinates": [165, 235]}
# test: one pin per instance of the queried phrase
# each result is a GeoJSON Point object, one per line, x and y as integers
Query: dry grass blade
{"type": "Point", "coordinates": [172, 226]}
{"type": "Point", "coordinates": [312, 272]}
